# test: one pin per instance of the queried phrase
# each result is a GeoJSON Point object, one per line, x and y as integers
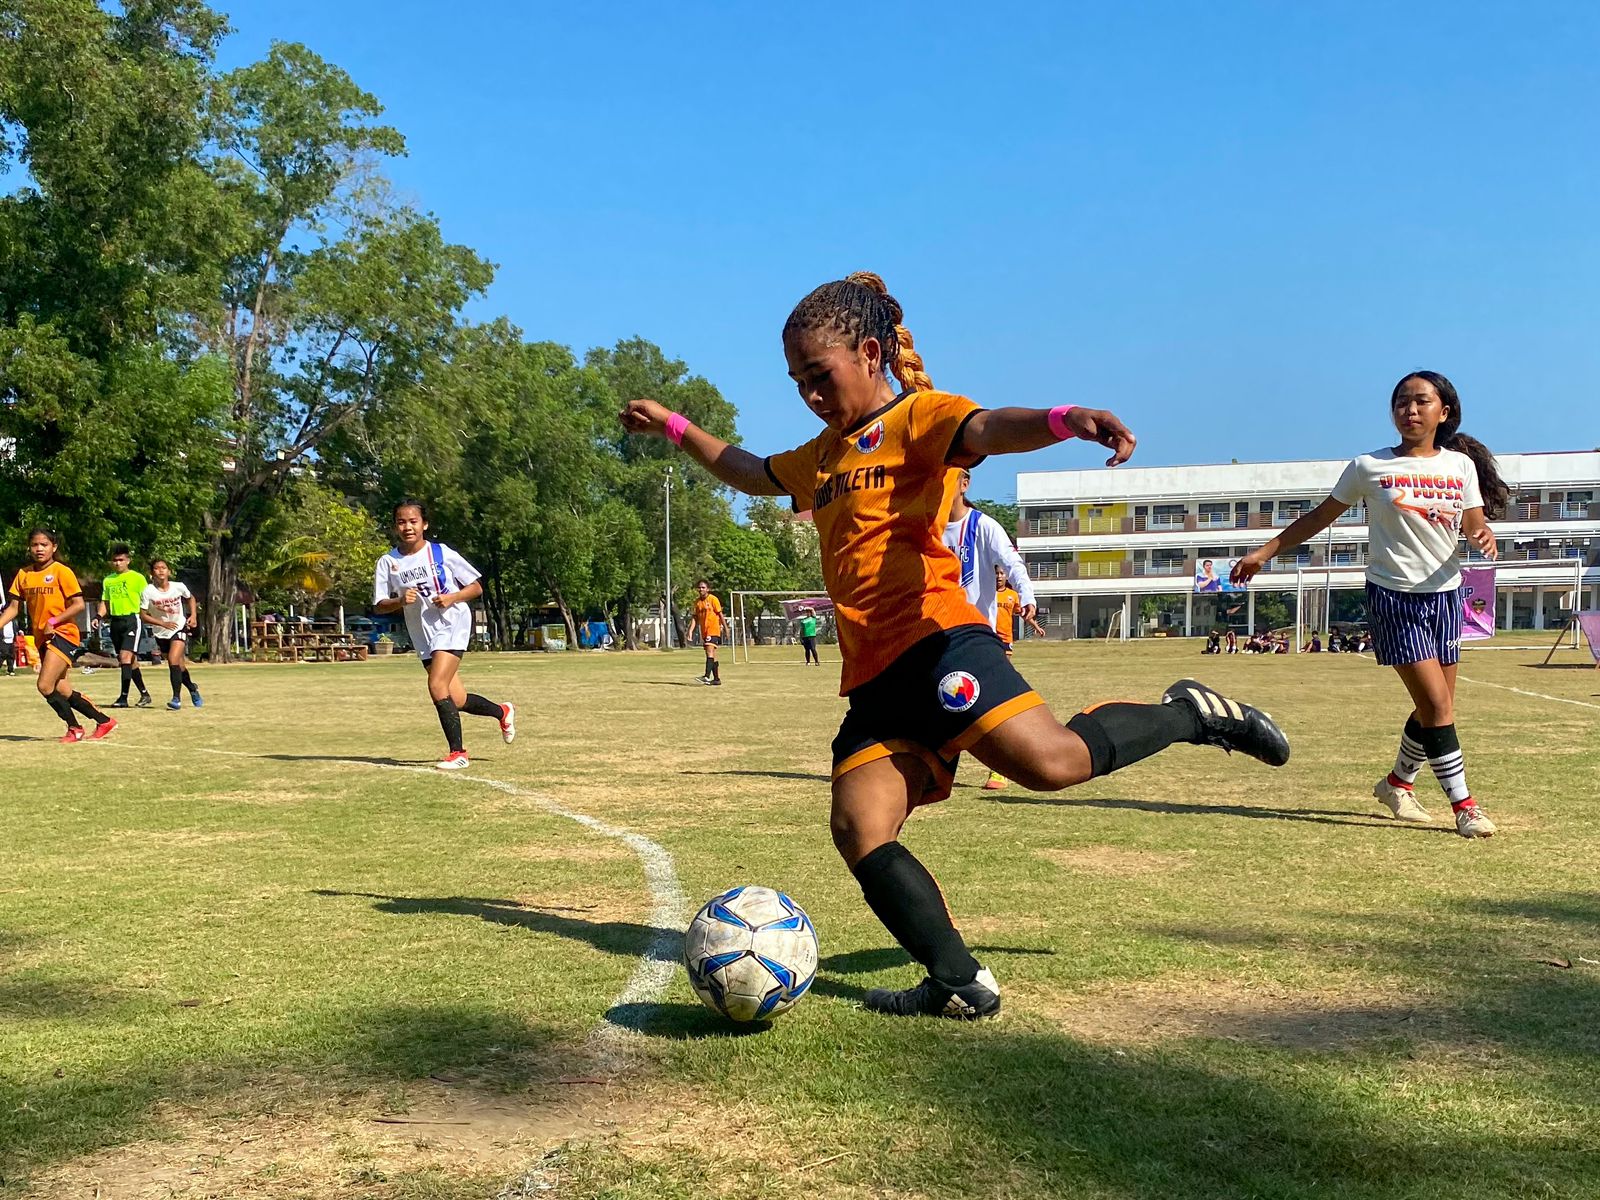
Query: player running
{"type": "Point", "coordinates": [435, 588]}
{"type": "Point", "coordinates": [50, 592]}
{"type": "Point", "coordinates": [120, 595]}
{"type": "Point", "coordinates": [169, 608]}
{"type": "Point", "coordinates": [924, 673]}
{"type": "Point", "coordinates": [1421, 497]}
{"type": "Point", "coordinates": [708, 619]}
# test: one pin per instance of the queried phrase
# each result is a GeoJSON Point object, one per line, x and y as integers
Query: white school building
{"type": "Point", "coordinates": [1117, 551]}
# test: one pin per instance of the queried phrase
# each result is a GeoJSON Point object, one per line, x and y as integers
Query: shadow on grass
{"type": "Point", "coordinates": [46, 1120]}
{"type": "Point", "coordinates": [1577, 666]}
{"type": "Point", "coordinates": [680, 1022]}
{"type": "Point", "coordinates": [803, 776]}
{"type": "Point", "coordinates": [628, 938]}
{"type": "Point", "coordinates": [1318, 816]}
{"type": "Point", "coordinates": [359, 759]}
{"type": "Point", "coordinates": [22, 737]}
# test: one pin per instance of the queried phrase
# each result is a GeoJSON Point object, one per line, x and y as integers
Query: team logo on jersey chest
{"type": "Point", "coordinates": [870, 438]}
{"type": "Point", "coordinates": [958, 691]}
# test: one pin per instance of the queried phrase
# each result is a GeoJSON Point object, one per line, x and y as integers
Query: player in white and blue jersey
{"type": "Point", "coordinates": [434, 586]}
{"type": "Point", "coordinates": [1421, 497]}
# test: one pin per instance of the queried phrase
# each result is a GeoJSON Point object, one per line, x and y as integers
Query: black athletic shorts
{"type": "Point", "coordinates": [71, 651]}
{"type": "Point", "coordinates": [934, 701]}
{"type": "Point", "coordinates": [714, 639]}
{"type": "Point", "coordinates": [126, 632]}
{"type": "Point", "coordinates": [165, 638]}
{"type": "Point", "coordinates": [431, 653]}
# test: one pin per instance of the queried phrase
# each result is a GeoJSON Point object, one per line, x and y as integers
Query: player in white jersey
{"type": "Point", "coordinates": [987, 557]}
{"type": "Point", "coordinates": [982, 544]}
{"type": "Point", "coordinates": [434, 586]}
{"type": "Point", "coordinates": [168, 609]}
{"type": "Point", "coordinates": [1421, 497]}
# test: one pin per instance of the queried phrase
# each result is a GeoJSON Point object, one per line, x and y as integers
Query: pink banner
{"type": "Point", "coordinates": [1590, 622]}
{"type": "Point", "coordinates": [1477, 604]}
{"type": "Point", "coordinates": [819, 604]}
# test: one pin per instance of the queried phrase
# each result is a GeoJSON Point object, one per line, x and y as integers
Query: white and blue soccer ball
{"type": "Point", "coordinates": [751, 953]}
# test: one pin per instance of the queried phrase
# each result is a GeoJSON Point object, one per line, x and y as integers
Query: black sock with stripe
{"type": "Point", "coordinates": [482, 706]}
{"type": "Point", "coordinates": [450, 722]}
{"type": "Point", "coordinates": [80, 703]}
{"type": "Point", "coordinates": [1449, 765]}
{"type": "Point", "coordinates": [1120, 734]}
{"type": "Point", "coordinates": [903, 895]}
{"type": "Point", "coordinates": [62, 709]}
{"type": "Point", "coordinates": [127, 678]}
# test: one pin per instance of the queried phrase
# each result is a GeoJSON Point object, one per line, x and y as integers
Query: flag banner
{"type": "Point", "coordinates": [1477, 604]}
{"type": "Point", "coordinates": [820, 604]}
{"type": "Point", "coordinates": [1590, 623]}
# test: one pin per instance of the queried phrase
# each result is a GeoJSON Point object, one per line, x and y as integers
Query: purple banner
{"type": "Point", "coordinates": [820, 604]}
{"type": "Point", "coordinates": [1477, 604]}
{"type": "Point", "coordinates": [1590, 621]}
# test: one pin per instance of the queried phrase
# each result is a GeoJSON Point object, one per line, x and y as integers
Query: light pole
{"type": "Point", "coordinates": [668, 614]}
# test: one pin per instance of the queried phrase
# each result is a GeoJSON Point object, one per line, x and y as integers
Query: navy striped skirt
{"type": "Point", "coordinates": [1409, 627]}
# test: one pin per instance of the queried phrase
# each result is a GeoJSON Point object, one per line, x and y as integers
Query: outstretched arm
{"type": "Point", "coordinates": [735, 467]}
{"type": "Point", "coordinates": [1303, 530]}
{"type": "Point", "coordinates": [1018, 430]}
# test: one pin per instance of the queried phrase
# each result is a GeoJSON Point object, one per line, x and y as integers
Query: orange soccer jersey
{"type": "Point", "coordinates": [1007, 604]}
{"type": "Point", "coordinates": [880, 496]}
{"type": "Point", "coordinates": [46, 593]}
{"type": "Point", "coordinates": [708, 614]}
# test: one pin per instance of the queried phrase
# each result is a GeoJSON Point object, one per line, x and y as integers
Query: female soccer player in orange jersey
{"type": "Point", "coordinates": [50, 591]}
{"type": "Point", "coordinates": [924, 672]}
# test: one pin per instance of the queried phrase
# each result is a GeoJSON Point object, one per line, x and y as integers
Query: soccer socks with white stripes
{"type": "Point", "coordinates": [1443, 749]}
{"type": "Point", "coordinates": [1408, 762]}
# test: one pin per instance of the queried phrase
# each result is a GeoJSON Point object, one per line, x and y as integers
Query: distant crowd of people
{"type": "Point", "coordinates": [1219, 642]}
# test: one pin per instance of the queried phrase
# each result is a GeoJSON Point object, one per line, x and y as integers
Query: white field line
{"type": "Point", "coordinates": [668, 908]}
{"type": "Point", "coordinates": [1535, 695]}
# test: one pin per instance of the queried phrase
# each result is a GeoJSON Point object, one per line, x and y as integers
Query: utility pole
{"type": "Point", "coordinates": [671, 625]}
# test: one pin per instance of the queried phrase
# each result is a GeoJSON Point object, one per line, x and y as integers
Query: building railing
{"type": "Point", "coordinates": [1163, 567]}
{"type": "Point", "coordinates": [1190, 523]}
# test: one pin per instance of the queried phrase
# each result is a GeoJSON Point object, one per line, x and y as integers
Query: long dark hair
{"type": "Point", "coordinates": [1496, 495]}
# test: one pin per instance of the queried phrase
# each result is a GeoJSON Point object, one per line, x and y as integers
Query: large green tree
{"type": "Point", "coordinates": [316, 337]}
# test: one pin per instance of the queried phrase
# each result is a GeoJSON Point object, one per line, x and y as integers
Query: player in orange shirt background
{"type": "Point", "coordinates": [1007, 604]}
{"type": "Point", "coordinates": [708, 619]}
{"type": "Point", "coordinates": [923, 670]}
{"type": "Point", "coordinates": [49, 591]}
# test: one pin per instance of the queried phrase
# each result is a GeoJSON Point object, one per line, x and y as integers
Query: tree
{"type": "Point", "coordinates": [115, 235]}
{"type": "Point", "coordinates": [1006, 514]}
{"type": "Point", "coordinates": [794, 541]}
{"type": "Point", "coordinates": [314, 337]}
{"type": "Point", "coordinates": [316, 545]}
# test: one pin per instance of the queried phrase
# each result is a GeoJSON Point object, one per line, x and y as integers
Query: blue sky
{"type": "Point", "coordinates": [1236, 224]}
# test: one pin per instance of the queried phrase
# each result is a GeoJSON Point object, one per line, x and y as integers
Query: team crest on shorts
{"type": "Point", "coordinates": [958, 691]}
{"type": "Point", "coordinates": [871, 438]}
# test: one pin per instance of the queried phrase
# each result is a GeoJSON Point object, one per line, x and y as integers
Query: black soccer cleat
{"type": "Point", "coordinates": [144, 700]}
{"type": "Point", "coordinates": [119, 702]}
{"type": "Point", "coordinates": [1231, 725]}
{"type": "Point", "coordinates": [930, 998]}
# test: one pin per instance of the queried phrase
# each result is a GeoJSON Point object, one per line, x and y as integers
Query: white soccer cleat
{"type": "Point", "coordinates": [456, 760]}
{"type": "Point", "coordinates": [1401, 802]}
{"type": "Point", "coordinates": [1471, 823]}
{"type": "Point", "coordinates": [508, 723]}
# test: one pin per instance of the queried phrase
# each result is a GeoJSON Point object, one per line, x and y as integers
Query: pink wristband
{"type": "Point", "coordinates": [1058, 421]}
{"type": "Point", "coordinates": [676, 424]}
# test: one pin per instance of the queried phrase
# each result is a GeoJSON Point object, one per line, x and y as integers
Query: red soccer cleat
{"type": "Point", "coordinates": [102, 729]}
{"type": "Point", "coordinates": [456, 760]}
{"type": "Point", "coordinates": [508, 722]}
{"type": "Point", "coordinates": [74, 733]}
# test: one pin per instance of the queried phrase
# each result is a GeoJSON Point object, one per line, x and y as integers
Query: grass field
{"type": "Point", "coordinates": [243, 955]}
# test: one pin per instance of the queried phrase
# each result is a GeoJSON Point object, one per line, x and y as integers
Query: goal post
{"type": "Point", "coordinates": [744, 626]}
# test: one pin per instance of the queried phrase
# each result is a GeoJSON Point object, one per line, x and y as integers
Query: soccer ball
{"type": "Point", "coordinates": [751, 953]}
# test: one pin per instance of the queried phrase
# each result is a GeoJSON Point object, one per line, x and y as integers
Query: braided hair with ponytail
{"type": "Point", "coordinates": [1496, 495]}
{"type": "Point", "coordinates": [856, 308]}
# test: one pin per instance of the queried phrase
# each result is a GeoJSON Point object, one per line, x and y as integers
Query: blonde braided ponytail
{"type": "Point", "coordinates": [857, 307]}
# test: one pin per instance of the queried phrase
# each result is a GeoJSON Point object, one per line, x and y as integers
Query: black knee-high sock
{"type": "Point", "coordinates": [482, 706]}
{"type": "Point", "coordinates": [62, 709]}
{"type": "Point", "coordinates": [707, 674]}
{"type": "Point", "coordinates": [450, 722]}
{"type": "Point", "coordinates": [138, 682]}
{"type": "Point", "coordinates": [187, 682]}
{"type": "Point", "coordinates": [1120, 734]}
{"type": "Point", "coordinates": [906, 899]}
{"type": "Point", "coordinates": [127, 678]}
{"type": "Point", "coordinates": [80, 703]}
{"type": "Point", "coordinates": [175, 677]}
{"type": "Point", "coordinates": [716, 668]}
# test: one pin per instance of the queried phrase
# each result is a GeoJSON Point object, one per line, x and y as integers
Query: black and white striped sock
{"type": "Point", "coordinates": [1408, 763]}
{"type": "Point", "coordinates": [1449, 765]}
